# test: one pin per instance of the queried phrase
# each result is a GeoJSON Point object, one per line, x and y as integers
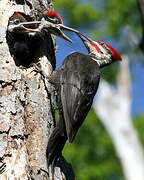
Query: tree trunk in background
{"type": "Point", "coordinates": [113, 107]}
{"type": "Point", "coordinates": [26, 119]}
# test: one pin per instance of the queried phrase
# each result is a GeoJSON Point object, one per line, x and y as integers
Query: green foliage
{"type": "Point", "coordinates": [77, 14]}
{"type": "Point", "coordinates": [109, 74]}
{"type": "Point", "coordinates": [92, 153]}
{"type": "Point", "coordinates": [139, 125]}
{"type": "Point", "coordinates": [120, 14]}
{"type": "Point", "coordinates": [108, 17]}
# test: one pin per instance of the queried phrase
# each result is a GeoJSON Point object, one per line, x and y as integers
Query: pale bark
{"type": "Point", "coordinates": [113, 106]}
{"type": "Point", "coordinates": [26, 120]}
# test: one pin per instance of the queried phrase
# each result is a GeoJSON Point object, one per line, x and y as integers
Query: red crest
{"type": "Point", "coordinates": [53, 13]}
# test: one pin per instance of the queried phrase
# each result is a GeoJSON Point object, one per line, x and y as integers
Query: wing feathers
{"type": "Point", "coordinates": [78, 87]}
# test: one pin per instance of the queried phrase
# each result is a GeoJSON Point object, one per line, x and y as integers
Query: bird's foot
{"type": "Point", "coordinates": [37, 68]}
{"type": "Point", "coordinates": [44, 171]}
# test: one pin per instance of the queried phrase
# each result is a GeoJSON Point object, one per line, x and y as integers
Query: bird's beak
{"type": "Point", "coordinates": [84, 38]}
{"type": "Point", "coordinates": [24, 27]}
{"type": "Point", "coordinates": [57, 30]}
{"type": "Point", "coordinates": [66, 28]}
{"type": "Point", "coordinates": [37, 26]}
{"type": "Point", "coordinates": [86, 41]}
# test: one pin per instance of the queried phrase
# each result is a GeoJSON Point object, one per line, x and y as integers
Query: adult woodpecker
{"type": "Point", "coordinates": [76, 83]}
{"type": "Point", "coordinates": [106, 55]}
{"type": "Point", "coordinates": [26, 43]}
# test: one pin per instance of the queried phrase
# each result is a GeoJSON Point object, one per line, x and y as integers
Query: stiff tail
{"type": "Point", "coordinates": [55, 145]}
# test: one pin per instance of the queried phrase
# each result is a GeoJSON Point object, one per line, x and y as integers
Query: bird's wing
{"type": "Point", "coordinates": [79, 83]}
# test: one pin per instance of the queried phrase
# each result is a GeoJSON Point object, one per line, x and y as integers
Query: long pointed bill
{"type": "Point", "coordinates": [86, 41]}
{"type": "Point", "coordinates": [84, 38]}
{"type": "Point", "coordinates": [66, 28]}
{"type": "Point", "coordinates": [52, 28]}
{"type": "Point", "coordinates": [37, 26]}
{"type": "Point", "coordinates": [57, 31]}
{"type": "Point", "coordinates": [25, 27]}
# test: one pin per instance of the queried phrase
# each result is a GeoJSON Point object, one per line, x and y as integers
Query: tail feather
{"type": "Point", "coordinates": [55, 145]}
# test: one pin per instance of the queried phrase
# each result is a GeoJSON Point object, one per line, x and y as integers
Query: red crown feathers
{"type": "Point", "coordinates": [115, 54]}
{"type": "Point", "coordinates": [16, 14]}
{"type": "Point", "coordinates": [53, 13]}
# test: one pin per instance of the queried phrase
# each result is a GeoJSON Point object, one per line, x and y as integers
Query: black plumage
{"type": "Point", "coordinates": [76, 83]}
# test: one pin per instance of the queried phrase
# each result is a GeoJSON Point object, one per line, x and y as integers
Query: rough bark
{"type": "Point", "coordinates": [113, 108]}
{"type": "Point", "coordinates": [26, 119]}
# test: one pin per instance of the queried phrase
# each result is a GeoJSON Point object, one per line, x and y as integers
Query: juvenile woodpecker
{"type": "Point", "coordinates": [53, 23]}
{"type": "Point", "coordinates": [76, 83]}
{"type": "Point", "coordinates": [53, 17]}
{"type": "Point", "coordinates": [28, 40]}
{"type": "Point", "coordinates": [26, 43]}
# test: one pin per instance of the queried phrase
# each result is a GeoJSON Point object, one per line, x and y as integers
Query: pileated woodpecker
{"type": "Point", "coordinates": [106, 55]}
{"type": "Point", "coordinates": [53, 23]}
{"type": "Point", "coordinates": [26, 44]}
{"type": "Point", "coordinates": [76, 83]}
{"type": "Point", "coordinates": [53, 17]}
{"type": "Point", "coordinates": [28, 40]}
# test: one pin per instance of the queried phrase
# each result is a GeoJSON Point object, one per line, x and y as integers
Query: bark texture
{"type": "Point", "coordinates": [26, 119]}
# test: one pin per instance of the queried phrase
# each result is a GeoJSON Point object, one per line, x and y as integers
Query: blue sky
{"type": "Point", "coordinates": [137, 88]}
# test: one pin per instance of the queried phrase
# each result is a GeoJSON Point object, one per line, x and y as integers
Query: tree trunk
{"type": "Point", "coordinates": [26, 119]}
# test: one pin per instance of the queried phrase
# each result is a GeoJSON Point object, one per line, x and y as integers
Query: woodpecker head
{"type": "Point", "coordinates": [15, 20]}
{"type": "Point", "coordinates": [54, 24]}
{"type": "Point", "coordinates": [53, 17]}
{"type": "Point", "coordinates": [19, 23]}
{"type": "Point", "coordinates": [100, 51]}
{"type": "Point", "coordinates": [51, 22]}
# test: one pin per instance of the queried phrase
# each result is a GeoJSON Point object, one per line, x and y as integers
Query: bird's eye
{"type": "Point", "coordinates": [16, 21]}
{"type": "Point", "coordinates": [52, 20]}
{"type": "Point", "coordinates": [102, 43]}
{"type": "Point", "coordinates": [56, 21]}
